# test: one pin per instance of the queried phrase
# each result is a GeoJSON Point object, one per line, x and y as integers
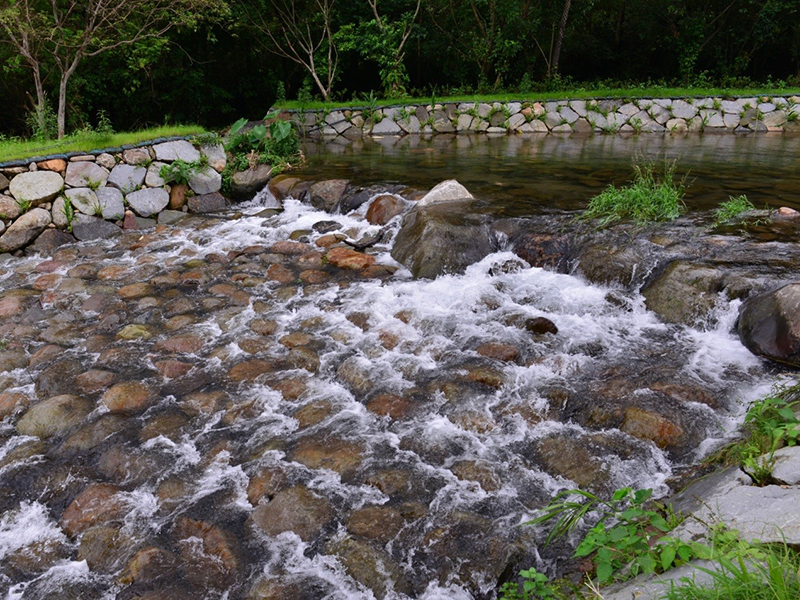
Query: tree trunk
{"type": "Point", "coordinates": [41, 99]}
{"type": "Point", "coordinates": [562, 26]}
{"type": "Point", "coordinates": [62, 104]}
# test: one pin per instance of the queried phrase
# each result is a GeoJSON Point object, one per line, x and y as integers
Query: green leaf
{"type": "Point", "coordinates": [787, 413]}
{"type": "Point", "coordinates": [648, 563]}
{"type": "Point", "coordinates": [620, 494]}
{"type": "Point", "coordinates": [641, 496]}
{"type": "Point", "coordinates": [617, 534]}
{"type": "Point", "coordinates": [604, 571]}
{"type": "Point", "coordinates": [667, 557]}
{"type": "Point", "coordinates": [659, 523]}
{"type": "Point", "coordinates": [237, 126]}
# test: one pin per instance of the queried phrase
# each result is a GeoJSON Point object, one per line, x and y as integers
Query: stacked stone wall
{"type": "Point", "coordinates": [54, 200]}
{"type": "Point", "coordinates": [611, 116]}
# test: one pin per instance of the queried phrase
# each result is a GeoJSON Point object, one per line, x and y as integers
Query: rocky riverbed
{"type": "Point", "coordinates": [244, 405]}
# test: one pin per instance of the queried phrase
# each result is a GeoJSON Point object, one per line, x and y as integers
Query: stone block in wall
{"type": "Point", "coordinates": [215, 153]}
{"type": "Point", "coordinates": [106, 161]}
{"type": "Point", "coordinates": [83, 200]}
{"type": "Point", "coordinates": [86, 174]}
{"type": "Point", "coordinates": [36, 187]}
{"type": "Point", "coordinates": [333, 117]}
{"type": "Point", "coordinates": [582, 126]}
{"type": "Point", "coordinates": [552, 119]}
{"type": "Point", "coordinates": [170, 217]}
{"type": "Point", "coordinates": [464, 122]}
{"type": "Point", "coordinates": [3, 183]}
{"type": "Point", "coordinates": [562, 129]}
{"type": "Point", "coordinates": [497, 119]}
{"type": "Point", "coordinates": [729, 106]}
{"type": "Point", "coordinates": [579, 106]}
{"type": "Point", "coordinates": [516, 121]}
{"type": "Point", "coordinates": [422, 114]}
{"type": "Point", "coordinates": [205, 181]}
{"type": "Point", "coordinates": [137, 156]}
{"type": "Point", "coordinates": [775, 119]}
{"type": "Point", "coordinates": [659, 114]}
{"type": "Point", "coordinates": [695, 124]}
{"type": "Point", "coordinates": [569, 115]}
{"type": "Point", "coordinates": [244, 184]}
{"type": "Point", "coordinates": [676, 126]}
{"type": "Point", "coordinates": [127, 177]}
{"type": "Point", "coordinates": [208, 203]}
{"type": "Point", "coordinates": [25, 229]}
{"type": "Point", "coordinates": [535, 126]}
{"type": "Point", "coordinates": [111, 203]}
{"type": "Point", "coordinates": [682, 110]}
{"type": "Point", "coordinates": [58, 213]}
{"type": "Point", "coordinates": [766, 107]}
{"type": "Point", "coordinates": [597, 120]}
{"type": "Point", "coordinates": [514, 107]}
{"type": "Point", "coordinates": [484, 109]}
{"type": "Point", "coordinates": [652, 127]}
{"type": "Point", "coordinates": [628, 109]}
{"type": "Point", "coordinates": [9, 208]}
{"type": "Point", "coordinates": [176, 150]}
{"type": "Point", "coordinates": [153, 177]}
{"type": "Point", "coordinates": [148, 201]}
{"type": "Point", "coordinates": [712, 118]}
{"type": "Point", "coordinates": [59, 165]}
{"type": "Point", "coordinates": [410, 124]}
{"type": "Point", "coordinates": [746, 103]}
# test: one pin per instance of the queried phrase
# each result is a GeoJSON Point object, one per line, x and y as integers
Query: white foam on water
{"type": "Point", "coordinates": [31, 523]}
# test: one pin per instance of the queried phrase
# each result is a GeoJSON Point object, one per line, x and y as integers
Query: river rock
{"type": "Point", "coordinates": [25, 229]}
{"type": "Point", "coordinates": [49, 241]}
{"type": "Point", "coordinates": [127, 178]}
{"type": "Point", "coordinates": [148, 201]}
{"type": "Point", "coordinates": [370, 566]}
{"type": "Point", "coordinates": [205, 181]}
{"type": "Point", "coordinates": [111, 203]}
{"type": "Point", "coordinates": [380, 523]}
{"type": "Point", "coordinates": [136, 156]}
{"type": "Point", "coordinates": [209, 554]}
{"type": "Point", "coordinates": [446, 191]}
{"type": "Point", "coordinates": [295, 509]}
{"type": "Point", "coordinates": [384, 208]}
{"type": "Point", "coordinates": [324, 195]}
{"type": "Point", "coordinates": [347, 258]}
{"type": "Point", "coordinates": [281, 186]}
{"type": "Point", "coordinates": [54, 416]}
{"type": "Point", "coordinates": [153, 177]}
{"type": "Point", "coordinates": [129, 397]}
{"type": "Point", "coordinates": [245, 184]}
{"type": "Point", "coordinates": [334, 454]}
{"type": "Point", "coordinates": [86, 174]}
{"type": "Point", "coordinates": [442, 237]}
{"type": "Point", "coordinates": [58, 378]}
{"type": "Point", "coordinates": [11, 402]}
{"type": "Point", "coordinates": [102, 547]}
{"type": "Point", "coordinates": [207, 203]}
{"type": "Point", "coordinates": [786, 468]}
{"type": "Point", "coordinates": [97, 504]}
{"type": "Point", "coordinates": [93, 228]}
{"type": "Point", "coordinates": [769, 324]}
{"type": "Point", "coordinates": [684, 293]}
{"type": "Point", "coordinates": [148, 565]}
{"type": "Point", "coordinates": [176, 150]}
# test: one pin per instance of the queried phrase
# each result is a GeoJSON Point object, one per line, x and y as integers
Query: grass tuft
{"type": "Point", "coordinates": [650, 197]}
{"type": "Point", "coordinates": [731, 209]}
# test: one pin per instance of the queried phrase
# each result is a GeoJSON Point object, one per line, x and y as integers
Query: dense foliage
{"type": "Point", "coordinates": [242, 56]}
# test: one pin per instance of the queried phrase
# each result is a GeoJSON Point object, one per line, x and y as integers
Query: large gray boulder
{"type": "Point", "coordinates": [177, 150]}
{"type": "Point", "coordinates": [127, 177]}
{"type": "Point", "coordinates": [245, 184]}
{"type": "Point", "coordinates": [215, 153]}
{"type": "Point", "coordinates": [148, 201]}
{"type": "Point", "coordinates": [684, 293]}
{"type": "Point", "coordinates": [24, 230]}
{"type": "Point", "coordinates": [446, 191]}
{"type": "Point", "coordinates": [86, 174]}
{"type": "Point", "coordinates": [205, 181]}
{"type": "Point", "coordinates": [769, 324]}
{"type": "Point", "coordinates": [36, 187]}
{"type": "Point", "coordinates": [445, 237]}
{"type": "Point", "coordinates": [324, 195]}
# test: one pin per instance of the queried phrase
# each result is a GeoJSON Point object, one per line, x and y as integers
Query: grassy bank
{"type": "Point", "coordinates": [86, 141]}
{"type": "Point", "coordinates": [577, 93]}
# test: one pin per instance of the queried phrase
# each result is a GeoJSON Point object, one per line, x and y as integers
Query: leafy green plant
{"type": "Point", "coordinates": [179, 171]}
{"type": "Point", "coordinates": [69, 212]}
{"type": "Point", "coordinates": [651, 197]}
{"type": "Point", "coordinates": [42, 123]}
{"type": "Point", "coordinates": [534, 585]}
{"type": "Point", "coordinates": [628, 539]}
{"type": "Point", "coordinates": [93, 185]}
{"type": "Point", "coordinates": [731, 209]}
{"type": "Point", "coordinates": [275, 145]}
{"type": "Point", "coordinates": [104, 126]}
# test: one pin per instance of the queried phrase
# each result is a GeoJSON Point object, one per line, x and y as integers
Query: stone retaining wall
{"type": "Point", "coordinates": [667, 115]}
{"type": "Point", "coordinates": [93, 196]}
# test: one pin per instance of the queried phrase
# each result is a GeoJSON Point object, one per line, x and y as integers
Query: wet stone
{"type": "Point", "coordinates": [390, 405]}
{"type": "Point", "coordinates": [94, 380]}
{"type": "Point", "coordinates": [295, 509]}
{"type": "Point", "coordinates": [502, 352]}
{"type": "Point", "coordinates": [102, 548]}
{"type": "Point", "coordinates": [334, 454]}
{"type": "Point", "coordinates": [313, 413]}
{"type": "Point", "coordinates": [265, 483]}
{"type": "Point", "coordinates": [99, 503]}
{"type": "Point", "coordinates": [129, 397]}
{"type": "Point", "coordinates": [208, 553]}
{"type": "Point", "coordinates": [380, 523]}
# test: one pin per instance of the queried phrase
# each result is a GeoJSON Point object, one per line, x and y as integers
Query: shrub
{"type": "Point", "coordinates": [731, 209]}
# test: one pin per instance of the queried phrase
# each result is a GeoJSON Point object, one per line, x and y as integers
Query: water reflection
{"type": "Point", "coordinates": [530, 173]}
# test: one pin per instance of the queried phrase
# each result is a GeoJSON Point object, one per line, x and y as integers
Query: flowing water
{"type": "Point", "coordinates": [350, 435]}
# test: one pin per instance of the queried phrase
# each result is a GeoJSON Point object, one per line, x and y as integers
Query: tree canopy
{"type": "Point", "coordinates": [144, 62]}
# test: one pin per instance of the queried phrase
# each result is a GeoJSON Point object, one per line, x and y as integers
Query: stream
{"type": "Point", "coordinates": [217, 410]}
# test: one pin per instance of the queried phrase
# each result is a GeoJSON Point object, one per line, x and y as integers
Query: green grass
{"type": "Point", "coordinates": [651, 197]}
{"type": "Point", "coordinates": [731, 209]}
{"type": "Point", "coordinates": [578, 93]}
{"type": "Point", "coordinates": [86, 141]}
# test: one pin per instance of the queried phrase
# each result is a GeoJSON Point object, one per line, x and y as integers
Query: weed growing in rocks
{"type": "Point", "coordinates": [651, 197]}
{"type": "Point", "coordinates": [732, 209]}
{"type": "Point", "coordinates": [180, 171]}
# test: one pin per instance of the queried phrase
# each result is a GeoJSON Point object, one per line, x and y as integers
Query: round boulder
{"type": "Point", "coordinates": [769, 324]}
{"type": "Point", "coordinates": [36, 187]}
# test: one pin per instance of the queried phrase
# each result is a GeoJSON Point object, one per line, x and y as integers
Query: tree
{"type": "Point", "coordinates": [300, 31]}
{"type": "Point", "coordinates": [383, 39]}
{"type": "Point", "coordinates": [62, 33]}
